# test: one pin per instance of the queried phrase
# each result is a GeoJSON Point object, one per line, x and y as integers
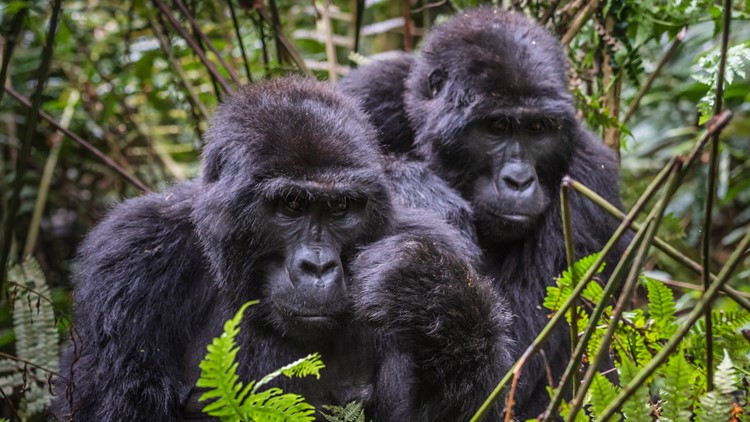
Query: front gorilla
{"type": "Point", "coordinates": [488, 105]}
{"type": "Point", "coordinates": [292, 190]}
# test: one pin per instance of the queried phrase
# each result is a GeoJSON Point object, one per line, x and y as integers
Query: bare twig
{"type": "Point", "coordinates": [325, 19]}
{"type": "Point", "coordinates": [287, 45]}
{"type": "Point", "coordinates": [194, 45]}
{"type": "Point", "coordinates": [571, 259]}
{"type": "Point", "coordinates": [10, 44]}
{"type": "Point", "coordinates": [580, 19]}
{"type": "Point", "coordinates": [710, 195]}
{"type": "Point", "coordinates": [80, 141]}
{"type": "Point", "coordinates": [652, 77]}
{"type": "Point", "coordinates": [207, 41]}
{"type": "Point", "coordinates": [238, 34]}
{"type": "Point", "coordinates": [408, 26]}
{"type": "Point", "coordinates": [31, 127]}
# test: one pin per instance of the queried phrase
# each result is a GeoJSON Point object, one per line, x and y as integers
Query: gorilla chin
{"type": "Point", "coordinates": [498, 225]}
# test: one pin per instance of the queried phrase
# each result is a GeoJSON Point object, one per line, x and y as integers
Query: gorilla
{"type": "Point", "coordinates": [488, 110]}
{"type": "Point", "coordinates": [294, 207]}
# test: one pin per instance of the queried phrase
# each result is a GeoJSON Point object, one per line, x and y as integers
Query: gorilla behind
{"type": "Point", "coordinates": [488, 105]}
{"type": "Point", "coordinates": [295, 208]}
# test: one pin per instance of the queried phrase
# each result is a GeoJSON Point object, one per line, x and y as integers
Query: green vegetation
{"type": "Point", "coordinates": [103, 100]}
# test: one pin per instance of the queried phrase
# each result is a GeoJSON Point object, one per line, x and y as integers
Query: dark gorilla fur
{"type": "Point", "coordinates": [295, 208]}
{"type": "Point", "coordinates": [489, 109]}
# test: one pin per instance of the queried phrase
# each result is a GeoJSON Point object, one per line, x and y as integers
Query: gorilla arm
{"type": "Point", "coordinates": [414, 287]}
{"type": "Point", "coordinates": [141, 289]}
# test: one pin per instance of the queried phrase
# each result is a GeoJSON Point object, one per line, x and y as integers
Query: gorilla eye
{"type": "Point", "coordinates": [502, 126]}
{"type": "Point", "coordinates": [537, 126]}
{"type": "Point", "coordinates": [340, 207]}
{"type": "Point", "coordinates": [293, 205]}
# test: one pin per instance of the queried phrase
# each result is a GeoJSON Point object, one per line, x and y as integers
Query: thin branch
{"type": "Point", "coordinates": [10, 44]}
{"type": "Point", "coordinates": [710, 195]}
{"type": "Point", "coordinates": [31, 128]}
{"type": "Point", "coordinates": [207, 41]}
{"type": "Point", "coordinates": [652, 77]}
{"type": "Point", "coordinates": [580, 19]}
{"type": "Point", "coordinates": [288, 47]}
{"type": "Point", "coordinates": [570, 254]}
{"type": "Point", "coordinates": [408, 26]}
{"type": "Point", "coordinates": [80, 141]}
{"type": "Point", "coordinates": [723, 276]}
{"type": "Point", "coordinates": [630, 284]}
{"type": "Point", "coordinates": [238, 34]}
{"type": "Point", "coordinates": [609, 288]}
{"type": "Point", "coordinates": [549, 12]}
{"type": "Point", "coordinates": [325, 19]}
{"type": "Point", "coordinates": [194, 45]}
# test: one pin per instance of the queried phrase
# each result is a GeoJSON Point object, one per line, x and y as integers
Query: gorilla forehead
{"type": "Point", "coordinates": [500, 55]}
{"type": "Point", "coordinates": [289, 128]}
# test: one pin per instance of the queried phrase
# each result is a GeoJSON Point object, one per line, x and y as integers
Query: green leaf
{"type": "Point", "coordinates": [352, 412]}
{"type": "Point", "coordinates": [601, 393]}
{"type": "Point", "coordinates": [636, 408]}
{"type": "Point", "coordinates": [309, 365]}
{"type": "Point", "coordinates": [661, 307]}
{"type": "Point", "coordinates": [677, 389]}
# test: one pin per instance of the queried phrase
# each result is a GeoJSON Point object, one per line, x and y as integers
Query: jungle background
{"type": "Point", "coordinates": [104, 100]}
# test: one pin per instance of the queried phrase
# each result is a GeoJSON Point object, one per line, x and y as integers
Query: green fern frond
{"type": "Point", "coordinates": [601, 393]}
{"type": "Point", "coordinates": [352, 412]}
{"type": "Point", "coordinates": [636, 408]}
{"type": "Point", "coordinates": [725, 377]}
{"type": "Point", "coordinates": [661, 307]}
{"type": "Point", "coordinates": [677, 389]}
{"type": "Point", "coordinates": [309, 365]}
{"type": "Point", "coordinates": [37, 339]}
{"type": "Point", "coordinates": [273, 405]}
{"type": "Point", "coordinates": [233, 401]}
{"type": "Point", "coordinates": [219, 372]}
{"type": "Point", "coordinates": [559, 293]}
{"type": "Point", "coordinates": [716, 405]}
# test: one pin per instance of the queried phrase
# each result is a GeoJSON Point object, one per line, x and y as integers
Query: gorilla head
{"type": "Point", "coordinates": [292, 184]}
{"type": "Point", "coordinates": [489, 102]}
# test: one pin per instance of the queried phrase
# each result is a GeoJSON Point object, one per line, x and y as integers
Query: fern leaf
{"type": "Point", "coordinates": [309, 365]}
{"type": "Point", "coordinates": [636, 408]}
{"type": "Point", "coordinates": [558, 294]}
{"type": "Point", "coordinates": [352, 412]}
{"type": "Point", "coordinates": [601, 393]}
{"type": "Point", "coordinates": [725, 377]}
{"type": "Point", "coordinates": [219, 372]}
{"type": "Point", "coordinates": [274, 406]}
{"type": "Point", "coordinates": [37, 339]}
{"type": "Point", "coordinates": [677, 389]}
{"type": "Point", "coordinates": [661, 307]}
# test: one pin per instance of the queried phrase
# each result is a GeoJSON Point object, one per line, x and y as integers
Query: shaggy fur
{"type": "Point", "coordinates": [159, 276]}
{"type": "Point", "coordinates": [484, 65]}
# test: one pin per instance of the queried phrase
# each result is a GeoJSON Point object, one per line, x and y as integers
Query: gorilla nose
{"type": "Point", "coordinates": [518, 177]}
{"type": "Point", "coordinates": [315, 266]}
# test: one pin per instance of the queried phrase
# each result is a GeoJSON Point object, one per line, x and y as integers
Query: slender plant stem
{"type": "Point", "coordinates": [541, 338]}
{"type": "Point", "coordinates": [580, 19]}
{"type": "Point", "coordinates": [238, 34]}
{"type": "Point", "coordinates": [710, 195]}
{"type": "Point", "coordinates": [284, 42]}
{"type": "Point", "coordinates": [630, 284]}
{"type": "Point", "coordinates": [31, 128]}
{"type": "Point", "coordinates": [207, 41]}
{"type": "Point", "coordinates": [652, 77]}
{"type": "Point", "coordinates": [660, 244]}
{"type": "Point", "coordinates": [609, 289]}
{"type": "Point", "coordinates": [194, 45]}
{"type": "Point", "coordinates": [723, 276]}
{"type": "Point", "coordinates": [570, 254]}
{"type": "Point", "coordinates": [47, 173]}
{"type": "Point", "coordinates": [10, 44]}
{"type": "Point", "coordinates": [80, 141]}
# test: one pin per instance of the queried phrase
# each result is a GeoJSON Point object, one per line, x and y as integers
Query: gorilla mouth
{"type": "Point", "coordinates": [515, 218]}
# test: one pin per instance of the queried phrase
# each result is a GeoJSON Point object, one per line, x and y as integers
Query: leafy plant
{"type": "Point", "coordinates": [36, 340]}
{"type": "Point", "coordinates": [232, 400]}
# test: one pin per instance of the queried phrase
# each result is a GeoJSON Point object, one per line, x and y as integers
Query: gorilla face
{"type": "Point", "coordinates": [488, 98]}
{"type": "Point", "coordinates": [507, 194]}
{"type": "Point", "coordinates": [287, 201]}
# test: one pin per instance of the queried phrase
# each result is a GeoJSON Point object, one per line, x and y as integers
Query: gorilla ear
{"type": "Point", "coordinates": [435, 81]}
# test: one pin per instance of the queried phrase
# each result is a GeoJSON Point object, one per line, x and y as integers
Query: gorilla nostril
{"type": "Point", "coordinates": [518, 183]}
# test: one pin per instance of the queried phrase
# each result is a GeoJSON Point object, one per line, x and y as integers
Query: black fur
{"type": "Point", "coordinates": [484, 83]}
{"type": "Point", "coordinates": [159, 276]}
